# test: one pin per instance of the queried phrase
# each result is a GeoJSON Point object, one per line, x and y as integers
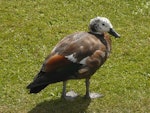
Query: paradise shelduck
{"type": "Point", "coordinates": [77, 56]}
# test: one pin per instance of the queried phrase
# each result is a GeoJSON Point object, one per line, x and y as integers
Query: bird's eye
{"type": "Point", "coordinates": [103, 24]}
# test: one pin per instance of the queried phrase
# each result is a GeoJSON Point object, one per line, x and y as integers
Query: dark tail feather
{"type": "Point", "coordinates": [39, 83]}
{"type": "Point", "coordinates": [44, 79]}
{"type": "Point", "coordinates": [37, 89]}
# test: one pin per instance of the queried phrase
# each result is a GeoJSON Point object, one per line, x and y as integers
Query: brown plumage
{"type": "Point", "coordinates": [77, 56]}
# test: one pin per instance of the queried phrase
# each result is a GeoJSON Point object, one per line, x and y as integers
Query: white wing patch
{"type": "Point", "coordinates": [71, 58]}
{"type": "Point", "coordinates": [83, 61]}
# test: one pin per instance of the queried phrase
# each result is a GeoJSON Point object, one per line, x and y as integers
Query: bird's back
{"type": "Point", "coordinates": [76, 56]}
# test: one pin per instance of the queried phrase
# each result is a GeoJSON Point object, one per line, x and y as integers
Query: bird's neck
{"type": "Point", "coordinates": [97, 34]}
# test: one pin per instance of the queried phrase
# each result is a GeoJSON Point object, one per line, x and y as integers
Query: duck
{"type": "Point", "coordinates": [76, 56]}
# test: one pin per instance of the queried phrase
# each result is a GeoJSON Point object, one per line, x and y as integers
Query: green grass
{"type": "Point", "coordinates": [29, 30]}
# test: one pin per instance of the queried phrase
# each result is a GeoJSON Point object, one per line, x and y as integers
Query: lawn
{"type": "Point", "coordinates": [29, 29]}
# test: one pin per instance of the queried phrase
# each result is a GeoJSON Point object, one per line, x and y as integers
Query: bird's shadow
{"type": "Point", "coordinates": [78, 105]}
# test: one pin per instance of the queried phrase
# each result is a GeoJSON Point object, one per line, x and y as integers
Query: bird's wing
{"type": "Point", "coordinates": [77, 56]}
{"type": "Point", "coordinates": [79, 48]}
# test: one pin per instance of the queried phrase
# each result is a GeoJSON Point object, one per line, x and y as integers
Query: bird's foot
{"type": "Point", "coordinates": [71, 95]}
{"type": "Point", "coordinates": [93, 95]}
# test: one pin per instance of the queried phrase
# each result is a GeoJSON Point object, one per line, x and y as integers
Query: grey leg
{"type": "Point", "coordinates": [68, 95]}
{"type": "Point", "coordinates": [89, 95]}
{"type": "Point", "coordinates": [87, 84]}
{"type": "Point", "coordinates": [64, 89]}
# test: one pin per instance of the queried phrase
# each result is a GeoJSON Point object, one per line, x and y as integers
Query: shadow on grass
{"type": "Point", "coordinates": [79, 105]}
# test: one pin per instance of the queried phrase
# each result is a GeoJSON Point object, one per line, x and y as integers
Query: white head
{"type": "Point", "coordinates": [99, 25]}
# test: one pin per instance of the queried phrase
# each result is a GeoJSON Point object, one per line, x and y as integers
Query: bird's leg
{"type": "Point", "coordinates": [67, 95]}
{"type": "Point", "coordinates": [89, 95]}
{"type": "Point", "coordinates": [87, 84]}
{"type": "Point", "coordinates": [64, 89]}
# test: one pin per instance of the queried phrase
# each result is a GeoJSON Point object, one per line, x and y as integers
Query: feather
{"type": "Point", "coordinates": [76, 56]}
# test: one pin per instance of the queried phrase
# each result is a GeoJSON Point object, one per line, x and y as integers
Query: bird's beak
{"type": "Point", "coordinates": [114, 33]}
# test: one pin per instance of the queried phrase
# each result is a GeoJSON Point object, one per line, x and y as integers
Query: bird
{"type": "Point", "coordinates": [76, 56]}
